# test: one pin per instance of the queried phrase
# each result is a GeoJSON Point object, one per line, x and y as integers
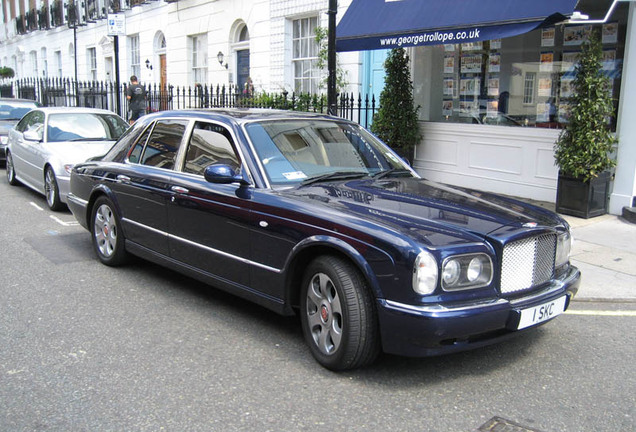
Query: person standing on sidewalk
{"type": "Point", "coordinates": [136, 95]}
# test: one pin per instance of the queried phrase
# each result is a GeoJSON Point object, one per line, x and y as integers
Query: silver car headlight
{"type": "Point", "coordinates": [4, 139]}
{"type": "Point", "coordinates": [466, 272]}
{"type": "Point", "coordinates": [563, 249]}
{"type": "Point", "coordinates": [425, 273]}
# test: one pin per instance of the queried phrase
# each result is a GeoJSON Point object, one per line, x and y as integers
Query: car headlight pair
{"type": "Point", "coordinates": [458, 272]}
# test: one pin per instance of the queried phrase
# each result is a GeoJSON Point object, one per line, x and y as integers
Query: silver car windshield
{"type": "Point", "coordinates": [85, 127]}
{"type": "Point", "coordinates": [297, 151]}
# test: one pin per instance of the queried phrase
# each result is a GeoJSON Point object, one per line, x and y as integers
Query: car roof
{"type": "Point", "coordinates": [243, 115]}
{"type": "Point", "coordinates": [69, 110]}
{"type": "Point", "coordinates": [8, 100]}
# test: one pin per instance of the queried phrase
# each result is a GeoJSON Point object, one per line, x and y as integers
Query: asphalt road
{"type": "Point", "coordinates": [84, 347]}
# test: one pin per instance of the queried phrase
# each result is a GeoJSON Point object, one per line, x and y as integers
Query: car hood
{"type": "Point", "coordinates": [78, 151]}
{"type": "Point", "coordinates": [432, 213]}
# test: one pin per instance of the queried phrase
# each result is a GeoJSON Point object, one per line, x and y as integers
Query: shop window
{"type": "Point", "coordinates": [520, 81]}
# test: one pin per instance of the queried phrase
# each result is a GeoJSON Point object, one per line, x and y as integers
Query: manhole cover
{"type": "Point", "coordinates": [498, 424]}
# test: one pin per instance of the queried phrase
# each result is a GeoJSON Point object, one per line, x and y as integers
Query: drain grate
{"type": "Point", "coordinates": [498, 424]}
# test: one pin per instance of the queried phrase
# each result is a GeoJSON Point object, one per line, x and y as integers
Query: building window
{"type": "Point", "coordinates": [305, 55]}
{"type": "Point", "coordinates": [34, 63]}
{"type": "Point", "coordinates": [58, 63]}
{"type": "Point", "coordinates": [135, 62]}
{"type": "Point", "coordinates": [528, 87]}
{"type": "Point", "coordinates": [199, 59]}
{"type": "Point", "coordinates": [91, 55]}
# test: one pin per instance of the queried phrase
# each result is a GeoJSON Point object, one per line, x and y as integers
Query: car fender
{"type": "Point", "coordinates": [326, 243]}
{"type": "Point", "coordinates": [103, 190]}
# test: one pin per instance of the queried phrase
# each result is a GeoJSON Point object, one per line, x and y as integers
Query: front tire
{"type": "Point", "coordinates": [51, 191]}
{"type": "Point", "coordinates": [338, 315]}
{"type": "Point", "coordinates": [11, 170]}
{"type": "Point", "coordinates": [107, 236]}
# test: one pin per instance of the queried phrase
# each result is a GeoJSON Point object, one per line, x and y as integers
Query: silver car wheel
{"type": "Point", "coordinates": [105, 231]}
{"type": "Point", "coordinates": [50, 187]}
{"type": "Point", "coordinates": [324, 314]}
{"type": "Point", "coordinates": [10, 170]}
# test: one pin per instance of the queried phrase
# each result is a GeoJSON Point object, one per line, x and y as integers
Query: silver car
{"type": "Point", "coordinates": [11, 111]}
{"type": "Point", "coordinates": [45, 145]}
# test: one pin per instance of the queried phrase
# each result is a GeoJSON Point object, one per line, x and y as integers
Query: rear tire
{"type": "Point", "coordinates": [338, 315]}
{"type": "Point", "coordinates": [11, 170]}
{"type": "Point", "coordinates": [107, 236]}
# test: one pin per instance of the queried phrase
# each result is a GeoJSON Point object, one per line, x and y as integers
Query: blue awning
{"type": "Point", "coordinates": [382, 24]}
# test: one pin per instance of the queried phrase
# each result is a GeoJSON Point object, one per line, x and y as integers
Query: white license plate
{"type": "Point", "coordinates": [544, 312]}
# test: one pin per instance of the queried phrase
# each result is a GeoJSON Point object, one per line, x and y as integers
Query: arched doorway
{"type": "Point", "coordinates": [160, 55]}
{"type": "Point", "coordinates": [241, 48]}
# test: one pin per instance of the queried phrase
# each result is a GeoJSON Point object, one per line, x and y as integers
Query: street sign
{"type": "Point", "coordinates": [116, 25]}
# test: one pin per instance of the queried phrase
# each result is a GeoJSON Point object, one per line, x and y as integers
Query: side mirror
{"type": "Point", "coordinates": [32, 135]}
{"type": "Point", "coordinates": [224, 174]}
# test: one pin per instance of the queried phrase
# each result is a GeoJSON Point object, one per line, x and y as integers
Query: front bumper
{"type": "Point", "coordinates": [419, 331]}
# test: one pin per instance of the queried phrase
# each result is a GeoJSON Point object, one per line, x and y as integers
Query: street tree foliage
{"type": "Point", "coordinates": [584, 148]}
{"type": "Point", "coordinates": [396, 122]}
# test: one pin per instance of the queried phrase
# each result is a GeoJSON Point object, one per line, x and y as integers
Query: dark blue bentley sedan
{"type": "Point", "coordinates": [313, 215]}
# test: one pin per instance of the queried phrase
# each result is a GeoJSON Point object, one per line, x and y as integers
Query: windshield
{"type": "Point", "coordinates": [15, 110]}
{"type": "Point", "coordinates": [294, 151]}
{"type": "Point", "coordinates": [85, 126]}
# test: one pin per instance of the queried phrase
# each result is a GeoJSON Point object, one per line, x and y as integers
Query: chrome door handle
{"type": "Point", "coordinates": [123, 179]}
{"type": "Point", "coordinates": [179, 189]}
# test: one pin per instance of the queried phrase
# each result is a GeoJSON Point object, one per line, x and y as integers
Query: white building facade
{"type": "Point", "coordinates": [270, 45]}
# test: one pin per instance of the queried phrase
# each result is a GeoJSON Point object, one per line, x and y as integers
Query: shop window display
{"type": "Point", "coordinates": [519, 81]}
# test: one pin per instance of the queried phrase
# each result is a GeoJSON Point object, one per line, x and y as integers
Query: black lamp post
{"type": "Point", "coordinates": [332, 98]}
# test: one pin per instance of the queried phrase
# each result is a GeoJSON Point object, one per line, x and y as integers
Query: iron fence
{"type": "Point", "coordinates": [104, 94]}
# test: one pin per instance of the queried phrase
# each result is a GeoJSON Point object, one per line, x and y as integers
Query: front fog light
{"type": "Point", "coordinates": [425, 273]}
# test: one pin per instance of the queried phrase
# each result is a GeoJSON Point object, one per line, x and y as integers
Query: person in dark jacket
{"type": "Point", "coordinates": [136, 95]}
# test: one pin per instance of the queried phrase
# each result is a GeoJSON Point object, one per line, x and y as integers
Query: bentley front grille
{"type": "Point", "coordinates": [527, 263]}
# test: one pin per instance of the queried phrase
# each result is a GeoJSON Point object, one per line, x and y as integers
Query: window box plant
{"type": "Point", "coordinates": [584, 149]}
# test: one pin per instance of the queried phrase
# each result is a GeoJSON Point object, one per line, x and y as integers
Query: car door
{"type": "Point", "coordinates": [27, 154]}
{"type": "Point", "coordinates": [142, 184]}
{"type": "Point", "coordinates": [209, 223]}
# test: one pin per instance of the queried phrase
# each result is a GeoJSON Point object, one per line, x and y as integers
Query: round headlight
{"type": "Point", "coordinates": [475, 267]}
{"type": "Point", "coordinates": [451, 272]}
{"type": "Point", "coordinates": [425, 273]}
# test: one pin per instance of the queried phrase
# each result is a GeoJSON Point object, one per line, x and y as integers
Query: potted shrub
{"type": "Point", "coordinates": [583, 151]}
{"type": "Point", "coordinates": [396, 121]}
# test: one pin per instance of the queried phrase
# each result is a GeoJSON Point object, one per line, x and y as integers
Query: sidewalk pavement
{"type": "Point", "coordinates": [605, 251]}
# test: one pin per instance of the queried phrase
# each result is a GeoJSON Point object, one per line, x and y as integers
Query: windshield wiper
{"type": "Point", "coordinates": [385, 173]}
{"type": "Point", "coordinates": [336, 175]}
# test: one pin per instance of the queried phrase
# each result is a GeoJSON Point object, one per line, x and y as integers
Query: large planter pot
{"type": "Point", "coordinates": [583, 199]}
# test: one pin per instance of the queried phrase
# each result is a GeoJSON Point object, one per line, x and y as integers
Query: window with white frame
{"type": "Point", "coordinates": [305, 55]}
{"type": "Point", "coordinates": [91, 55]}
{"type": "Point", "coordinates": [34, 63]}
{"type": "Point", "coordinates": [199, 59]}
{"type": "Point", "coordinates": [58, 63]}
{"type": "Point", "coordinates": [135, 58]}
{"type": "Point", "coordinates": [528, 87]}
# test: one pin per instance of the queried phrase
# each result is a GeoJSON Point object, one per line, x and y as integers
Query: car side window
{"type": "Point", "coordinates": [31, 121]}
{"type": "Point", "coordinates": [135, 154]}
{"type": "Point", "coordinates": [162, 146]}
{"type": "Point", "coordinates": [209, 144]}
